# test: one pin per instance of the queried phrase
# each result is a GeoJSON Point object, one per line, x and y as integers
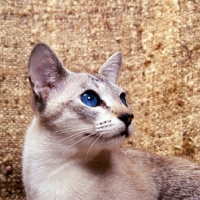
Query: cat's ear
{"type": "Point", "coordinates": [111, 67]}
{"type": "Point", "coordinates": [46, 72]}
{"type": "Point", "coordinates": [44, 67]}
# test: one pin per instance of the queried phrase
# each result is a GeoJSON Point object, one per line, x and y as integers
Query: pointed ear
{"type": "Point", "coordinates": [44, 67]}
{"type": "Point", "coordinates": [111, 67]}
{"type": "Point", "coordinates": [45, 72]}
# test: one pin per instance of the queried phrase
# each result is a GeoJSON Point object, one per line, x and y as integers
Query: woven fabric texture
{"type": "Point", "coordinates": [160, 43]}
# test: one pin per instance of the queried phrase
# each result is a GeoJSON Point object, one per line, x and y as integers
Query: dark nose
{"type": "Point", "coordinates": [126, 118]}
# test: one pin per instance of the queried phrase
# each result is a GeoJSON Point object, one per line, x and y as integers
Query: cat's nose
{"type": "Point", "coordinates": [126, 118]}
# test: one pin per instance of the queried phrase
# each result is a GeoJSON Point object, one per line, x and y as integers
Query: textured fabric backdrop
{"type": "Point", "coordinates": [160, 43]}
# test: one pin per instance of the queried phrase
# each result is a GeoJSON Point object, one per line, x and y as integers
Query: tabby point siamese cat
{"type": "Point", "coordinates": [71, 149]}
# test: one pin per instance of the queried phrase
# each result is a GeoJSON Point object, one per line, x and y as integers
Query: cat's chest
{"type": "Point", "coordinates": [62, 181]}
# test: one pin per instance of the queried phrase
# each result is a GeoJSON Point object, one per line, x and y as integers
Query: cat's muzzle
{"type": "Point", "coordinates": [127, 119]}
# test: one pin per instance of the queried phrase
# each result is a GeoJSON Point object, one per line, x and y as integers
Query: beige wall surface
{"type": "Point", "coordinates": [160, 43]}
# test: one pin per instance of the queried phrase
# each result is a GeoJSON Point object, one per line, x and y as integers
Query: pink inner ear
{"type": "Point", "coordinates": [37, 74]}
{"type": "Point", "coordinates": [45, 92]}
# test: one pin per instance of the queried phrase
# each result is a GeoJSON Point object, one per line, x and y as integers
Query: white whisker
{"type": "Point", "coordinates": [91, 147]}
{"type": "Point", "coordinates": [70, 137]}
{"type": "Point", "coordinates": [77, 142]}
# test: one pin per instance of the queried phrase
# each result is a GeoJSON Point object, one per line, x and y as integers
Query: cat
{"type": "Point", "coordinates": [72, 147]}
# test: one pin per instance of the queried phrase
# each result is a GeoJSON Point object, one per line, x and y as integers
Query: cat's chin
{"type": "Point", "coordinates": [108, 142]}
{"type": "Point", "coordinates": [124, 134]}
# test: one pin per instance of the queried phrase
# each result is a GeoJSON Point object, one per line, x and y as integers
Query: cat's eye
{"type": "Point", "coordinates": [123, 99]}
{"type": "Point", "coordinates": [90, 98]}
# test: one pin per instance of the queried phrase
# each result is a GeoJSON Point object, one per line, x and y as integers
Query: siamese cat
{"type": "Point", "coordinates": [71, 149]}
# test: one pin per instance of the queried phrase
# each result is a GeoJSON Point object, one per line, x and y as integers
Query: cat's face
{"type": "Point", "coordinates": [84, 110]}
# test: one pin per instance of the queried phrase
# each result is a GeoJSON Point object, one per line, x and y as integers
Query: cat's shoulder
{"type": "Point", "coordinates": [152, 159]}
{"type": "Point", "coordinates": [134, 157]}
{"type": "Point", "coordinates": [134, 154]}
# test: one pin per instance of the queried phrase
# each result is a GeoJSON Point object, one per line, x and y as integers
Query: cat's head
{"type": "Point", "coordinates": [79, 109]}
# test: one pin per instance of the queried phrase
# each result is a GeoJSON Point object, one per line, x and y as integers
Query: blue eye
{"type": "Point", "coordinates": [123, 99]}
{"type": "Point", "coordinates": [90, 98]}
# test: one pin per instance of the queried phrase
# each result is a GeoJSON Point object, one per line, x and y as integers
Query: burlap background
{"type": "Point", "coordinates": [160, 43]}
